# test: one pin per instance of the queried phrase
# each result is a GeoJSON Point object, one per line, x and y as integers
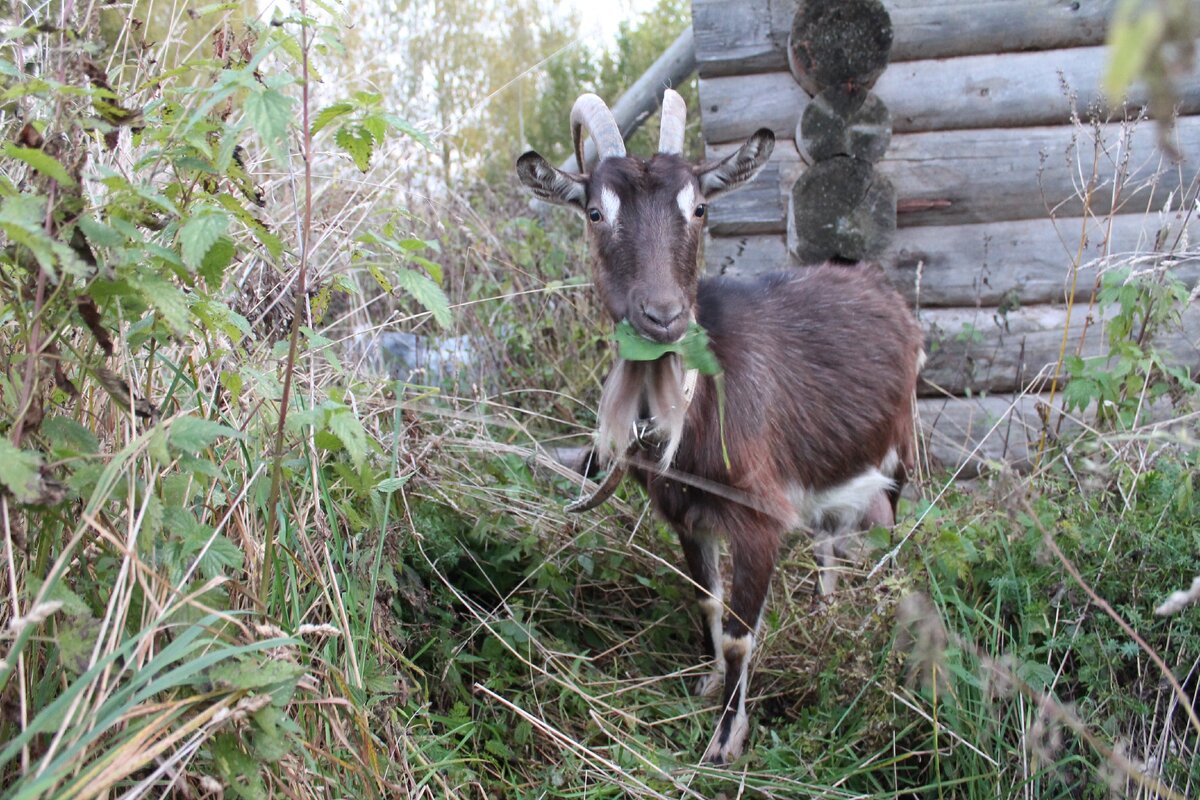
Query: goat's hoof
{"type": "Point", "coordinates": [726, 746]}
{"type": "Point", "coordinates": [710, 684]}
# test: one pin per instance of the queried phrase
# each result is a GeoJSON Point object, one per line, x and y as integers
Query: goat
{"type": "Point", "coordinates": [820, 366]}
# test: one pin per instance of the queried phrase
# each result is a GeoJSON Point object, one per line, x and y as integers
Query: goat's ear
{"type": "Point", "coordinates": [732, 171]}
{"type": "Point", "coordinates": [551, 184]}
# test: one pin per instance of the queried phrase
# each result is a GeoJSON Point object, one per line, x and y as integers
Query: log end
{"type": "Point", "coordinates": [841, 122]}
{"type": "Point", "coordinates": [841, 208]}
{"type": "Point", "coordinates": [839, 43]}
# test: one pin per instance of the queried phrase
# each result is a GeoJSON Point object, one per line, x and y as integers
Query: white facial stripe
{"type": "Point", "coordinates": [686, 200]}
{"type": "Point", "coordinates": [610, 204]}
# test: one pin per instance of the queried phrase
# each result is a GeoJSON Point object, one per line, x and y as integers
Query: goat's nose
{"type": "Point", "coordinates": [662, 314]}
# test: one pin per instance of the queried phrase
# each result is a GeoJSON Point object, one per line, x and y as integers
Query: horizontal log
{"type": "Point", "coordinates": [1030, 261]}
{"type": "Point", "coordinates": [746, 254]}
{"type": "Point", "coordinates": [962, 177]}
{"type": "Point", "coordinates": [988, 91]}
{"type": "Point", "coordinates": [1031, 173]}
{"type": "Point", "coordinates": [984, 350]}
{"type": "Point", "coordinates": [760, 206]}
{"type": "Point", "coordinates": [1000, 263]}
{"type": "Point", "coordinates": [751, 35]}
{"type": "Point", "coordinates": [965, 433]}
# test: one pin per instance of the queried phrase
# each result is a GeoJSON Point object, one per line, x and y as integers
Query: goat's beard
{"type": "Point", "coordinates": [659, 387]}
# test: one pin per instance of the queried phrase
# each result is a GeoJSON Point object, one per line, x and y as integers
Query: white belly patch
{"type": "Point", "coordinates": [843, 506]}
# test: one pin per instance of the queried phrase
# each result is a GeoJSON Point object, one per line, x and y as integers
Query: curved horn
{"type": "Point", "coordinates": [674, 117]}
{"type": "Point", "coordinates": [589, 110]}
{"type": "Point", "coordinates": [611, 481]}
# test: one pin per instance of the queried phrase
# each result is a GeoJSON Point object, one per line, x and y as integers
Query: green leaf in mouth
{"type": "Point", "coordinates": [693, 348]}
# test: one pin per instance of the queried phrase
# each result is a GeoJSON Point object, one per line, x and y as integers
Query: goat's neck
{"type": "Point", "coordinates": [636, 392]}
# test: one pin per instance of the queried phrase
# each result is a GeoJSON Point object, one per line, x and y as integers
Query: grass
{"type": "Point", "coordinates": [370, 589]}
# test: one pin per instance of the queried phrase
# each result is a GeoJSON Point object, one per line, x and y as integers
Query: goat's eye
{"type": "Point", "coordinates": [700, 210]}
{"type": "Point", "coordinates": [594, 214]}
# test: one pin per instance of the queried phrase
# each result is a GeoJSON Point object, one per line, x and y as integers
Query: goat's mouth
{"type": "Point", "coordinates": [657, 332]}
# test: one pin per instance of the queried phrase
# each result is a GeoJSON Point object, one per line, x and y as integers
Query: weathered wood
{"type": "Point", "coordinates": [760, 206]}
{"type": "Point", "coordinates": [1030, 261]}
{"type": "Point", "coordinates": [1031, 173]}
{"type": "Point", "coordinates": [844, 123]}
{"type": "Point", "coordinates": [840, 208]}
{"type": "Point", "coordinates": [998, 263]}
{"type": "Point", "coordinates": [746, 254]}
{"type": "Point", "coordinates": [751, 35]}
{"type": "Point", "coordinates": [1009, 90]}
{"type": "Point", "coordinates": [961, 177]}
{"type": "Point", "coordinates": [728, 105]}
{"type": "Point", "coordinates": [839, 43]}
{"type": "Point", "coordinates": [984, 350]}
{"type": "Point", "coordinates": [966, 433]}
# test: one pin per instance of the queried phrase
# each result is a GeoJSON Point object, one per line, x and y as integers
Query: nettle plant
{"type": "Point", "coordinates": [140, 410]}
{"type": "Point", "coordinates": [1135, 371]}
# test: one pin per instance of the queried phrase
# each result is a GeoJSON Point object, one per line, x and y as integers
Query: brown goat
{"type": "Point", "coordinates": [820, 366]}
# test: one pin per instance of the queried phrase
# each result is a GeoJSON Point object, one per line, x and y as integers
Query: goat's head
{"type": "Point", "coordinates": [644, 216]}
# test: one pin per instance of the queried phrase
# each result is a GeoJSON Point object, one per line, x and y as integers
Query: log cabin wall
{"type": "Point", "coordinates": [994, 106]}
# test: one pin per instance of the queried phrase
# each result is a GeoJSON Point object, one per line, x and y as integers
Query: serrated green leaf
{"type": "Point", "coordinates": [193, 434]}
{"type": "Point", "coordinates": [1079, 392]}
{"type": "Point", "coordinates": [376, 126]}
{"type": "Point", "coordinates": [427, 293]}
{"type": "Point", "coordinates": [22, 217]}
{"type": "Point", "coordinates": [217, 315]}
{"type": "Point", "coordinates": [358, 143]}
{"type": "Point", "coordinates": [198, 235]}
{"type": "Point", "coordinates": [73, 604]}
{"type": "Point", "coordinates": [270, 112]}
{"type": "Point", "coordinates": [219, 556]}
{"type": "Point", "coordinates": [151, 529]}
{"type": "Point", "coordinates": [270, 742]}
{"type": "Point", "coordinates": [165, 298]}
{"type": "Point", "coordinates": [269, 240]}
{"type": "Point", "coordinates": [252, 673]}
{"type": "Point", "coordinates": [19, 471]}
{"type": "Point", "coordinates": [389, 485]}
{"type": "Point", "coordinates": [432, 267]}
{"type": "Point", "coordinates": [329, 114]}
{"type": "Point", "coordinates": [68, 438]}
{"type": "Point", "coordinates": [216, 261]}
{"type": "Point", "coordinates": [380, 278]}
{"type": "Point", "coordinates": [693, 348]}
{"type": "Point", "coordinates": [41, 161]}
{"type": "Point", "coordinates": [239, 771]}
{"type": "Point", "coordinates": [99, 234]}
{"type": "Point", "coordinates": [406, 127]}
{"type": "Point", "coordinates": [346, 427]}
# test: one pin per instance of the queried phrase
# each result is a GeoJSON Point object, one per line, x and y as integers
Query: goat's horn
{"type": "Point", "coordinates": [611, 481]}
{"type": "Point", "coordinates": [674, 117]}
{"type": "Point", "coordinates": [590, 110]}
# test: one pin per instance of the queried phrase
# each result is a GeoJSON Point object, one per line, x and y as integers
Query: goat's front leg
{"type": "Point", "coordinates": [754, 552]}
{"type": "Point", "coordinates": [702, 552]}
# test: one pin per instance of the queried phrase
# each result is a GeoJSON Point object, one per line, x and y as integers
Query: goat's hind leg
{"type": "Point", "coordinates": [702, 552]}
{"type": "Point", "coordinates": [754, 553]}
{"type": "Point", "coordinates": [841, 543]}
